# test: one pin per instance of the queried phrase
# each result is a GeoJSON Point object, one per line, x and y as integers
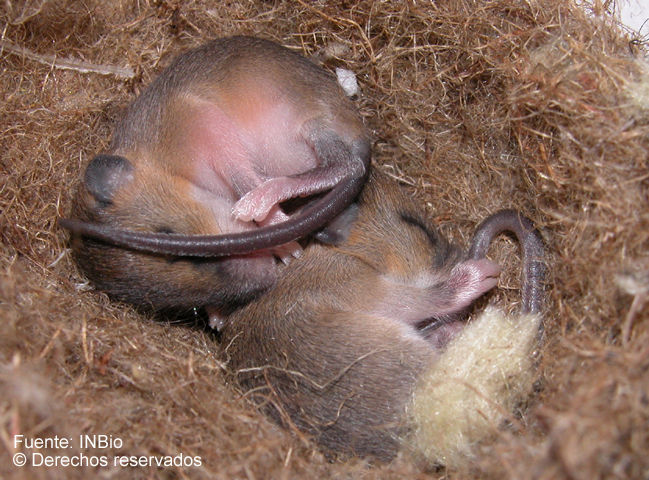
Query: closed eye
{"type": "Point", "coordinates": [445, 253]}
{"type": "Point", "coordinates": [415, 222]}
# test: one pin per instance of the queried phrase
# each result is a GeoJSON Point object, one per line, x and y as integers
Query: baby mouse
{"type": "Point", "coordinates": [338, 346]}
{"type": "Point", "coordinates": [198, 166]}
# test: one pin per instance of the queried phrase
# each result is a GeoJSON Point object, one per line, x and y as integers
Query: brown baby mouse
{"type": "Point", "coordinates": [183, 209]}
{"type": "Point", "coordinates": [338, 345]}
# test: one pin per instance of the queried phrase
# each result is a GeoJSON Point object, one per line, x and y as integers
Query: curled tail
{"type": "Point", "coordinates": [534, 268]}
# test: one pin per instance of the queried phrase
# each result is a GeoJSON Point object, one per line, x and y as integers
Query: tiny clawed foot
{"type": "Point", "coordinates": [287, 252]}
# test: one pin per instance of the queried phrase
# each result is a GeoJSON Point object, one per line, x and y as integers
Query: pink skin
{"type": "Point", "coordinates": [238, 158]}
{"type": "Point", "coordinates": [471, 279]}
{"type": "Point", "coordinates": [437, 296]}
{"type": "Point", "coordinates": [247, 123]}
{"type": "Point", "coordinates": [433, 297]}
{"type": "Point", "coordinates": [223, 159]}
{"type": "Point", "coordinates": [248, 165]}
{"type": "Point", "coordinates": [256, 204]}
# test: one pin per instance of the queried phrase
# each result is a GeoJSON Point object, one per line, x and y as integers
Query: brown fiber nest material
{"type": "Point", "coordinates": [477, 105]}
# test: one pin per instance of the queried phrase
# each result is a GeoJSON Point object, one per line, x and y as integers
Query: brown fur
{"type": "Point", "coordinates": [157, 281]}
{"type": "Point", "coordinates": [329, 348]}
{"type": "Point", "coordinates": [476, 105]}
{"type": "Point", "coordinates": [172, 188]}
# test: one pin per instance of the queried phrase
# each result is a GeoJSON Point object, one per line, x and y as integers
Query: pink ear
{"type": "Point", "coordinates": [470, 279]}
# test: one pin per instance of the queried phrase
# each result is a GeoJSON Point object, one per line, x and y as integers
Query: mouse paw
{"type": "Point", "coordinates": [470, 279]}
{"type": "Point", "coordinates": [287, 252]}
{"type": "Point", "coordinates": [216, 320]}
{"type": "Point", "coordinates": [257, 203]}
{"type": "Point", "coordinates": [250, 208]}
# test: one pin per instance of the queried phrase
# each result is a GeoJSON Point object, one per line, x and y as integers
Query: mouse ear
{"type": "Point", "coordinates": [337, 231]}
{"type": "Point", "coordinates": [105, 175]}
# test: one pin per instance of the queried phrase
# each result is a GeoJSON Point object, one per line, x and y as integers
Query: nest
{"type": "Point", "coordinates": [539, 105]}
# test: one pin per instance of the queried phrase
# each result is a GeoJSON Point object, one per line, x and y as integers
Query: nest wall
{"type": "Point", "coordinates": [539, 105]}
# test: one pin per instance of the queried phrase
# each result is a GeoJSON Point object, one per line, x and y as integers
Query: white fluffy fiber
{"type": "Point", "coordinates": [347, 80]}
{"type": "Point", "coordinates": [465, 395]}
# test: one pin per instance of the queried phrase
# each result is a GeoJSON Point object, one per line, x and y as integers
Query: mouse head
{"type": "Point", "coordinates": [394, 235]}
{"type": "Point", "coordinates": [115, 193]}
{"type": "Point", "coordinates": [423, 278]}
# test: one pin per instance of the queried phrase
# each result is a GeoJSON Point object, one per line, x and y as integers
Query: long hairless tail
{"type": "Point", "coordinates": [314, 216]}
{"type": "Point", "coordinates": [533, 252]}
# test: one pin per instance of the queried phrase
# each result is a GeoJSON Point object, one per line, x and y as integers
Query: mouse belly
{"type": "Point", "coordinates": [228, 152]}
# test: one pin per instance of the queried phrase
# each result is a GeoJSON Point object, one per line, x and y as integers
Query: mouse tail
{"type": "Point", "coordinates": [489, 368]}
{"type": "Point", "coordinates": [528, 236]}
{"type": "Point", "coordinates": [310, 219]}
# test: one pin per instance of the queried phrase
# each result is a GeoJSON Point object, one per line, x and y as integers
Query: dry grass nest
{"type": "Point", "coordinates": [476, 105]}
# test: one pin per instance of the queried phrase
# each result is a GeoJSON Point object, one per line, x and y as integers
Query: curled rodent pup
{"type": "Point", "coordinates": [339, 346]}
{"type": "Point", "coordinates": [183, 209]}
